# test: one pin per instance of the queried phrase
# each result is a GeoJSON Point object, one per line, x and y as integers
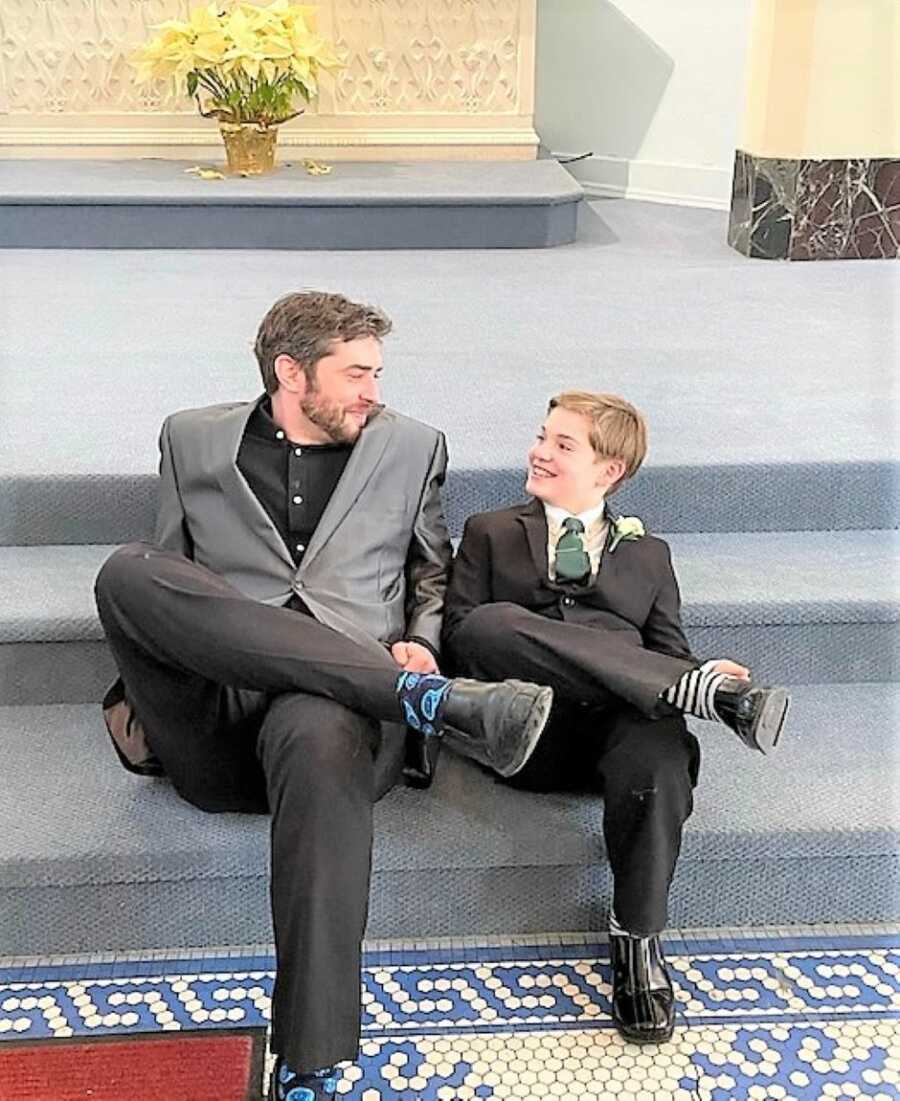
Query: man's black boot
{"type": "Point", "coordinates": [497, 725]}
{"type": "Point", "coordinates": [643, 1001]}
{"type": "Point", "coordinates": [755, 714]}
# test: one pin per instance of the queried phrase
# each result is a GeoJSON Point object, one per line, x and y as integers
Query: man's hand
{"type": "Point", "coordinates": [413, 657]}
{"type": "Point", "coordinates": [731, 669]}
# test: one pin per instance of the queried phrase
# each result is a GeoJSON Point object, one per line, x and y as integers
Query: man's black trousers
{"type": "Point", "coordinates": [254, 708]}
{"type": "Point", "coordinates": [645, 766]}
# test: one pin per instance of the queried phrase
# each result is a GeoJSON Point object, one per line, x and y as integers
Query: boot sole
{"type": "Point", "coordinates": [538, 715]}
{"type": "Point", "coordinates": [643, 1036]}
{"type": "Point", "coordinates": [770, 721]}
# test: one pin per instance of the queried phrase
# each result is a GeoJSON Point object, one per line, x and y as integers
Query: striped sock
{"type": "Point", "coordinates": [695, 692]}
{"type": "Point", "coordinates": [615, 929]}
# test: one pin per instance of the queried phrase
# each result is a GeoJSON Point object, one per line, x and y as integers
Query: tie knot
{"type": "Point", "coordinates": [572, 523]}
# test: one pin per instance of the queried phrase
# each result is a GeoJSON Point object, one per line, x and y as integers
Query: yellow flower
{"type": "Point", "coordinates": [240, 49]}
{"type": "Point", "coordinates": [163, 56]}
{"type": "Point", "coordinates": [210, 49]}
{"type": "Point", "coordinates": [205, 20]}
{"type": "Point", "coordinates": [238, 28]}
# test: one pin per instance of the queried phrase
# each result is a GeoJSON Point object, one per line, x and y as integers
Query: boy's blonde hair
{"type": "Point", "coordinates": [617, 429]}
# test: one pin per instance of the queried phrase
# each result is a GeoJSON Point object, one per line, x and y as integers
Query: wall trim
{"type": "Point", "coordinates": [202, 141]}
{"type": "Point", "coordinates": [207, 135]}
{"type": "Point", "coordinates": [653, 181]}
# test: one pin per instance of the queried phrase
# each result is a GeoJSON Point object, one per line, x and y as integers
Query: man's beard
{"type": "Point", "coordinates": [330, 417]}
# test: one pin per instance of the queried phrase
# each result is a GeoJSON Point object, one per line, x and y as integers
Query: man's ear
{"type": "Point", "coordinates": [290, 374]}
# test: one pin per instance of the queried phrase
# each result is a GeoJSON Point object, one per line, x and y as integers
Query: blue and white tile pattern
{"type": "Point", "coordinates": [794, 1019]}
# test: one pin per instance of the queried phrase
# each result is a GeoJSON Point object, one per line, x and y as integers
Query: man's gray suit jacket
{"type": "Point", "coordinates": [376, 567]}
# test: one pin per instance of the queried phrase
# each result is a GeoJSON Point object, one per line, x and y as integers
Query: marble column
{"type": "Point", "coordinates": [805, 209]}
{"type": "Point", "coordinates": [817, 169]}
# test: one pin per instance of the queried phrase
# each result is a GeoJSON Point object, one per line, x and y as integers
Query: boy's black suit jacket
{"type": "Point", "coordinates": [503, 558]}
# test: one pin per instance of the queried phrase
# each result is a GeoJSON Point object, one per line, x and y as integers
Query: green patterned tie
{"type": "Point", "coordinates": [573, 563]}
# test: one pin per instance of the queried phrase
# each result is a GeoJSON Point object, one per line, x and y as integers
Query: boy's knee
{"type": "Point", "coordinates": [491, 621]}
{"type": "Point", "coordinates": [657, 754]}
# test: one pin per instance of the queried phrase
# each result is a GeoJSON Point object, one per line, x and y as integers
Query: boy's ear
{"type": "Point", "coordinates": [613, 470]}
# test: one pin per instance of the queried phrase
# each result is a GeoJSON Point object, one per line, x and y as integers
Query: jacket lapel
{"type": "Point", "coordinates": [609, 574]}
{"type": "Point", "coordinates": [224, 445]}
{"type": "Point", "coordinates": [534, 521]}
{"type": "Point", "coordinates": [365, 457]}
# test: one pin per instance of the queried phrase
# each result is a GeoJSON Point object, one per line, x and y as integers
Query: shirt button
{"type": "Point", "coordinates": [298, 500]}
{"type": "Point", "coordinates": [279, 435]}
{"type": "Point", "coordinates": [298, 450]}
{"type": "Point", "coordinates": [301, 547]}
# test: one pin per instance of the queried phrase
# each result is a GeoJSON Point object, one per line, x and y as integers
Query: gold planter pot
{"type": "Point", "coordinates": [249, 148]}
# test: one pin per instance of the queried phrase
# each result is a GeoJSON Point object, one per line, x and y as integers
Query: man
{"type": "Point", "coordinates": [561, 592]}
{"type": "Point", "coordinates": [280, 631]}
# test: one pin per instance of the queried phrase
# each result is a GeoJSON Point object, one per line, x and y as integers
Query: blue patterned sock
{"type": "Point", "coordinates": [311, 1085]}
{"type": "Point", "coordinates": [422, 697]}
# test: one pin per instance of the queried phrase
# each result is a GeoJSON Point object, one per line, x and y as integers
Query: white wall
{"type": "Point", "coordinates": [655, 88]}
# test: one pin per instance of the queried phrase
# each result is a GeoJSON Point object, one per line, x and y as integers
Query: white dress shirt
{"type": "Point", "coordinates": [595, 529]}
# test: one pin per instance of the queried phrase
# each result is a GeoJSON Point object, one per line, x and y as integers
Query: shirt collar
{"type": "Point", "coordinates": [556, 515]}
{"type": "Point", "coordinates": [261, 424]}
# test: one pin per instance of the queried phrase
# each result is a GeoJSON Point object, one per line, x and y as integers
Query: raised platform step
{"type": "Point", "coordinates": [796, 606]}
{"type": "Point", "coordinates": [93, 859]}
{"type": "Point", "coordinates": [157, 203]}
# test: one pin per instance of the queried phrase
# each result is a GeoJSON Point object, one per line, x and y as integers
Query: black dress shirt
{"type": "Point", "coordinates": [293, 482]}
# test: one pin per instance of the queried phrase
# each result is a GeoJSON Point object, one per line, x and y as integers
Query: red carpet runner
{"type": "Point", "coordinates": [207, 1067]}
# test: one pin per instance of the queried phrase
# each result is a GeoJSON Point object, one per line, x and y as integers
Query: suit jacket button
{"type": "Point", "coordinates": [567, 601]}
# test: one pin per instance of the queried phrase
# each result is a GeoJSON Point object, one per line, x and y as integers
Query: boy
{"type": "Point", "coordinates": [563, 593]}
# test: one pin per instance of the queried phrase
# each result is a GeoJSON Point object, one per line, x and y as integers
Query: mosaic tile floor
{"type": "Point", "coordinates": [802, 1017]}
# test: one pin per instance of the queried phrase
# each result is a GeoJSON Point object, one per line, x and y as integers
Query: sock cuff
{"type": "Point", "coordinates": [615, 928]}
{"type": "Point", "coordinates": [422, 697]}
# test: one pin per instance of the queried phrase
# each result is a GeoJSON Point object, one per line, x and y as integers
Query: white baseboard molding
{"type": "Point", "coordinates": [653, 181]}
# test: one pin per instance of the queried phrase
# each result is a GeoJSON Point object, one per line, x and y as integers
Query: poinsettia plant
{"type": "Point", "coordinates": [251, 62]}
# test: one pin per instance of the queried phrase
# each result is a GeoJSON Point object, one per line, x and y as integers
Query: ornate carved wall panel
{"type": "Point", "coordinates": [451, 76]}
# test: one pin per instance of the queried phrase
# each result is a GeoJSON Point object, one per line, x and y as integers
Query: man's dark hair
{"type": "Point", "coordinates": [305, 325]}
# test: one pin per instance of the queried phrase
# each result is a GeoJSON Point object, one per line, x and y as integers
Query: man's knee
{"type": "Point", "coordinates": [122, 570]}
{"type": "Point", "coordinates": [317, 737]}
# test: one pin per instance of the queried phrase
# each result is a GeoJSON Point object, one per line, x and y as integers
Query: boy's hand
{"type": "Point", "coordinates": [413, 657]}
{"type": "Point", "coordinates": [731, 669]}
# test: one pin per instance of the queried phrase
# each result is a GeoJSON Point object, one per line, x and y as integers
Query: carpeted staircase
{"type": "Point", "coordinates": [773, 467]}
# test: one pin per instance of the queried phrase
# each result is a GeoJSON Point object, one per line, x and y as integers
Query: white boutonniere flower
{"type": "Point", "coordinates": [627, 528]}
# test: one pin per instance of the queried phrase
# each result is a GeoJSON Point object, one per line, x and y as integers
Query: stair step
{"type": "Point", "coordinates": [94, 859]}
{"type": "Point", "coordinates": [754, 426]}
{"type": "Point", "coordinates": [157, 204]}
{"type": "Point", "coordinates": [103, 506]}
{"type": "Point", "coordinates": [795, 606]}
